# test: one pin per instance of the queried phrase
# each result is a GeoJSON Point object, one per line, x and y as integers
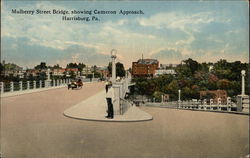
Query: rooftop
{"type": "Point", "coordinates": [147, 61]}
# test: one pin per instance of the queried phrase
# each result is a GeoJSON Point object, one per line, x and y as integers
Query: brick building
{"type": "Point", "coordinates": [144, 67]}
{"type": "Point", "coordinates": [215, 94]}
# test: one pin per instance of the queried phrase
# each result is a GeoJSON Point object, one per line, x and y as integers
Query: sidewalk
{"type": "Point", "coordinates": [94, 108]}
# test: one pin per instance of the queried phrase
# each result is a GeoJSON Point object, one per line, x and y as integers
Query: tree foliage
{"type": "Point", "coordinates": [120, 71]}
{"type": "Point", "coordinates": [193, 77]}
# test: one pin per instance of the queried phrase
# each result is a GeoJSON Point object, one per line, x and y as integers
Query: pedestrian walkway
{"type": "Point", "coordinates": [94, 108]}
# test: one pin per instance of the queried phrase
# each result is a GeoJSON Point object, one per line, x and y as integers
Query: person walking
{"type": "Point", "coordinates": [110, 100]}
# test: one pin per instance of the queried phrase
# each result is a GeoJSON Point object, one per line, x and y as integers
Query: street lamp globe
{"type": "Point", "coordinates": [113, 53]}
{"type": "Point", "coordinates": [243, 72]}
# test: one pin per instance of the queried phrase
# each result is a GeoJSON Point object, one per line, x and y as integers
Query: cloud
{"type": "Point", "coordinates": [35, 53]}
{"type": "Point", "coordinates": [165, 55]}
{"type": "Point", "coordinates": [163, 32]}
{"type": "Point", "coordinates": [178, 20]}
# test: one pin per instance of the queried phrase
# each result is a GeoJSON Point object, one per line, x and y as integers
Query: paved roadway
{"type": "Point", "coordinates": [33, 126]}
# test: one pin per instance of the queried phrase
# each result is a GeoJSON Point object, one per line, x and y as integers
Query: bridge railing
{"type": "Point", "coordinates": [35, 84]}
{"type": "Point", "coordinates": [29, 85]}
{"type": "Point", "coordinates": [196, 105]}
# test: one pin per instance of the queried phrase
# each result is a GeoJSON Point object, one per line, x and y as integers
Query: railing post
{"type": "Point", "coordinates": [34, 84]}
{"type": "Point", "coordinates": [40, 84]}
{"type": "Point", "coordinates": [2, 87]}
{"type": "Point", "coordinates": [205, 104]}
{"type": "Point", "coordinates": [229, 103]}
{"type": "Point", "coordinates": [199, 104]}
{"type": "Point", "coordinates": [28, 85]}
{"type": "Point", "coordinates": [21, 85]}
{"type": "Point", "coordinates": [54, 83]}
{"type": "Point", "coordinates": [211, 104]}
{"type": "Point", "coordinates": [11, 86]}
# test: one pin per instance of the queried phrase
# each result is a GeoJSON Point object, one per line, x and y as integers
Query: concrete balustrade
{"type": "Point", "coordinates": [28, 85]}
{"type": "Point", "coordinates": [229, 106]}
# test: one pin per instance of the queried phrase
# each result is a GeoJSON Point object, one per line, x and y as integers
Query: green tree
{"type": "Point", "coordinates": [72, 66]}
{"type": "Point", "coordinates": [172, 89]}
{"type": "Point", "coordinates": [157, 95]}
{"type": "Point", "coordinates": [192, 64]}
{"type": "Point", "coordinates": [42, 66]}
{"type": "Point", "coordinates": [57, 66]}
{"type": "Point", "coordinates": [81, 66]}
{"type": "Point", "coordinates": [120, 71]}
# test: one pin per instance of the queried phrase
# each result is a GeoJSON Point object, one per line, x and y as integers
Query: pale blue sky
{"type": "Point", "coordinates": [168, 31]}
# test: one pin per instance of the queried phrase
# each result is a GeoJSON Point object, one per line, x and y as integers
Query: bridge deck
{"type": "Point", "coordinates": [33, 125]}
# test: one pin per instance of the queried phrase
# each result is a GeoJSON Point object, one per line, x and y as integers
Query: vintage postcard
{"type": "Point", "coordinates": [124, 79]}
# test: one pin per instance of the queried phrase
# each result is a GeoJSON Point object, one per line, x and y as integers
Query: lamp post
{"type": "Point", "coordinates": [113, 57]}
{"type": "Point", "coordinates": [179, 91]}
{"type": "Point", "coordinates": [243, 74]}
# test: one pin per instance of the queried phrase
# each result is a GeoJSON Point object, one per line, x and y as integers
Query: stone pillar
{"type": "Point", "coordinates": [57, 82]}
{"type": "Point", "coordinates": [34, 84]}
{"type": "Point", "coordinates": [2, 87]}
{"type": "Point", "coordinates": [113, 57]}
{"type": "Point", "coordinates": [116, 104]}
{"type": "Point", "coordinates": [28, 85]}
{"type": "Point", "coordinates": [205, 104]}
{"type": "Point", "coordinates": [229, 103]}
{"type": "Point", "coordinates": [11, 86]}
{"type": "Point", "coordinates": [199, 104]}
{"type": "Point", "coordinates": [211, 104]}
{"type": "Point", "coordinates": [219, 103]}
{"type": "Point", "coordinates": [211, 101]}
{"type": "Point", "coordinates": [243, 74]}
{"type": "Point", "coordinates": [40, 84]}
{"type": "Point", "coordinates": [54, 83]}
{"type": "Point", "coordinates": [245, 103]}
{"type": "Point", "coordinates": [48, 81]}
{"type": "Point", "coordinates": [179, 96]}
{"type": "Point", "coordinates": [20, 85]}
